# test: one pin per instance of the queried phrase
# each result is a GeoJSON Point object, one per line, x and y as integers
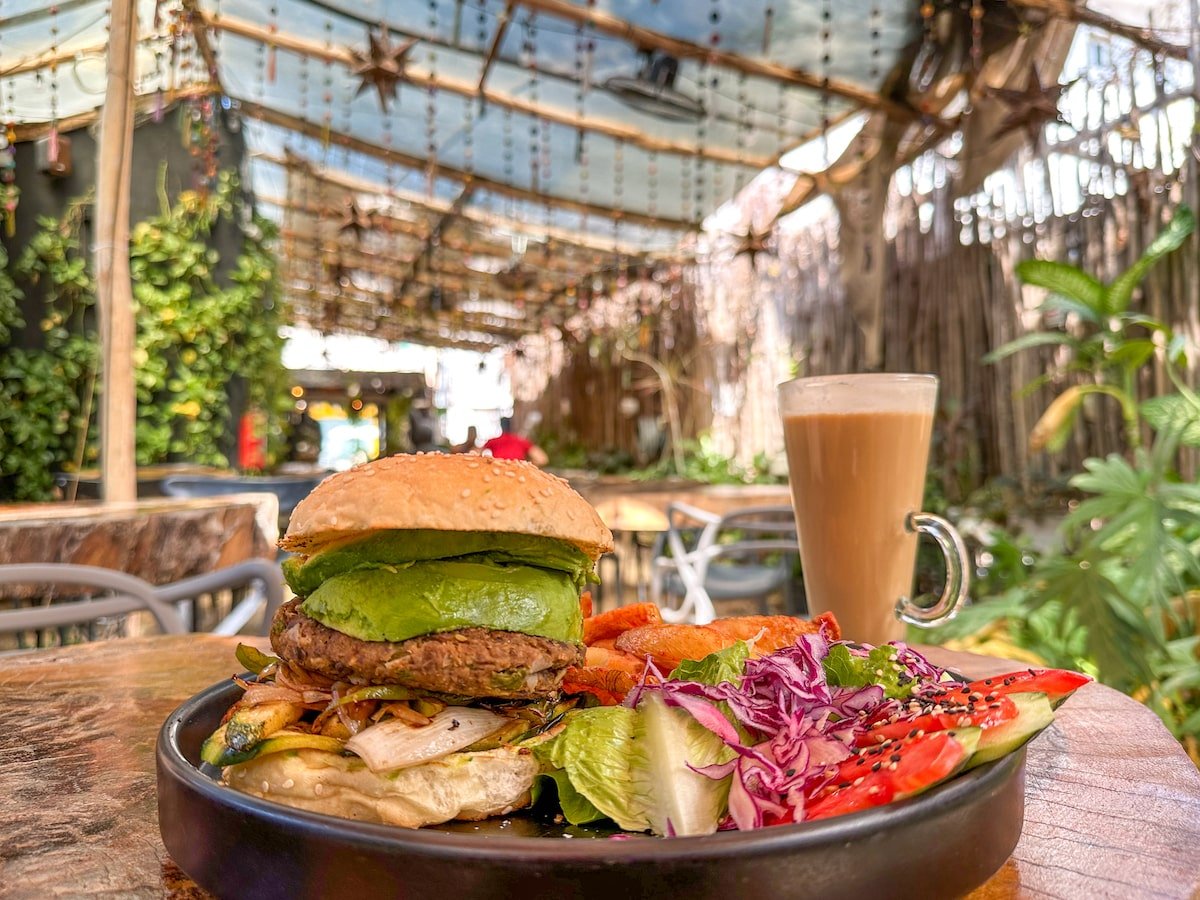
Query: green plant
{"type": "Point", "coordinates": [703, 462]}
{"type": "Point", "coordinates": [1108, 342]}
{"type": "Point", "coordinates": [46, 391]}
{"type": "Point", "coordinates": [198, 333]}
{"type": "Point", "coordinates": [1117, 599]}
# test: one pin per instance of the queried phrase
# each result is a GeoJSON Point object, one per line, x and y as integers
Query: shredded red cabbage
{"type": "Point", "coordinates": [787, 726]}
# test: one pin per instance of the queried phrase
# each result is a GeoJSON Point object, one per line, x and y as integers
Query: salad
{"type": "Point", "coordinates": [744, 739]}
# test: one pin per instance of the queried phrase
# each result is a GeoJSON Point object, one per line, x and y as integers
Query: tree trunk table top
{"type": "Point", "coordinates": [1112, 802]}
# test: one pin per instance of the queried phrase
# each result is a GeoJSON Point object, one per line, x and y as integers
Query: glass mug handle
{"type": "Point", "coordinates": [958, 578]}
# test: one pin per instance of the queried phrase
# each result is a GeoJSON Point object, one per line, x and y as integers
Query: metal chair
{"type": "Point", "coordinates": [745, 554]}
{"type": "Point", "coordinates": [168, 603]}
{"type": "Point", "coordinates": [133, 594]}
{"type": "Point", "coordinates": [266, 588]}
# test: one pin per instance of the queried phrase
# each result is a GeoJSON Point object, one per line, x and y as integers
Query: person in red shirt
{"type": "Point", "coordinates": [510, 445]}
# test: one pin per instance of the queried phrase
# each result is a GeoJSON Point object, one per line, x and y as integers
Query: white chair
{"type": "Point", "coordinates": [745, 554]}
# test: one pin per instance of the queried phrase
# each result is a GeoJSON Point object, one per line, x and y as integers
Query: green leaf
{"type": "Point", "coordinates": [844, 669]}
{"type": "Point", "coordinates": [636, 766]}
{"type": "Point", "coordinates": [723, 665]}
{"type": "Point", "coordinates": [1133, 354]}
{"type": "Point", "coordinates": [1173, 413]}
{"type": "Point", "coordinates": [1067, 280]}
{"type": "Point", "coordinates": [1118, 294]}
{"type": "Point", "coordinates": [1059, 303]}
{"type": "Point", "coordinates": [1026, 341]}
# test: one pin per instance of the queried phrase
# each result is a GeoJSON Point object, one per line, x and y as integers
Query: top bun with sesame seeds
{"type": "Point", "coordinates": [445, 492]}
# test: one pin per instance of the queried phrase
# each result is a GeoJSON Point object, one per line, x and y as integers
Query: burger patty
{"type": "Point", "coordinates": [476, 662]}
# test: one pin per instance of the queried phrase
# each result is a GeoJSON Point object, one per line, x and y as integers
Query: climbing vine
{"type": "Point", "coordinates": [204, 330]}
{"type": "Point", "coordinates": [199, 333]}
{"type": "Point", "coordinates": [47, 388]}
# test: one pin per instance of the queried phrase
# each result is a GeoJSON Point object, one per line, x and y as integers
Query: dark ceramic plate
{"type": "Point", "coordinates": [942, 843]}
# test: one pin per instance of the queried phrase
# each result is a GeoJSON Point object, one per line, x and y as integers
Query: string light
{"type": "Point", "coordinates": [718, 172]}
{"type": "Point", "coordinates": [273, 29]}
{"type": "Point", "coordinates": [327, 93]}
{"type": "Point", "coordinates": [53, 137]}
{"type": "Point", "coordinates": [431, 140]}
{"type": "Point", "coordinates": [529, 51]}
{"type": "Point", "coordinates": [826, 59]}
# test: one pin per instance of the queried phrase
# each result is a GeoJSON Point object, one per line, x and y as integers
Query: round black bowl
{"type": "Point", "coordinates": [942, 843]}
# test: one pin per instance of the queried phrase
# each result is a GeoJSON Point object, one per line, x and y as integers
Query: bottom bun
{"type": "Point", "coordinates": [468, 786]}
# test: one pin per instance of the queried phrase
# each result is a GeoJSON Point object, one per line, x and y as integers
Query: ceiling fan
{"type": "Point", "coordinates": [653, 89]}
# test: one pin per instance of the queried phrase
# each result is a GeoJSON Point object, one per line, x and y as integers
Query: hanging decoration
{"type": "Point", "coordinates": [10, 194]}
{"type": "Point", "coordinates": [382, 66]}
{"type": "Point", "coordinates": [753, 243]}
{"type": "Point", "coordinates": [354, 222]}
{"type": "Point", "coordinates": [1030, 108]}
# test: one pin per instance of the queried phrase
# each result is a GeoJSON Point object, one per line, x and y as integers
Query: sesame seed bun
{"type": "Point", "coordinates": [446, 492]}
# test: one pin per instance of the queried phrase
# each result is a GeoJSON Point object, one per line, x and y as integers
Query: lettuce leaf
{"type": "Point", "coordinates": [635, 766]}
{"type": "Point", "coordinates": [723, 665]}
{"type": "Point", "coordinates": [879, 666]}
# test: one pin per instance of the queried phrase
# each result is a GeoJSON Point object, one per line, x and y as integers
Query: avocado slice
{"type": "Point", "coordinates": [381, 549]}
{"type": "Point", "coordinates": [1034, 713]}
{"type": "Point", "coordinates": [396, 603]}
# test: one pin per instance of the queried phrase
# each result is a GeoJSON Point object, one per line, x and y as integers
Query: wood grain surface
{"type": "Point", "coordinates": [1113, 804]}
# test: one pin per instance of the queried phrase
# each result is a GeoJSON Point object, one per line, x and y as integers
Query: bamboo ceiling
{"type": "Point", "coordinates": [464, 171]}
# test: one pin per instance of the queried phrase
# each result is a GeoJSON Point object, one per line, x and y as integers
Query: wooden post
{"type": "Point", "coordinates": [114, 295]}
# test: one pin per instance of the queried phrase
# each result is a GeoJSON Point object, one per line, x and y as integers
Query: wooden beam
{"type": "Point", "coordinates": [114, 293]}
{"type": "Point", "coordinates": [320, 132]}
{"type": "Point", "coordinates": [606, 23]}
{"type": "Point", "coordinates": [60, 56]}
{"type": "Point", "coordinates": [29, 131]}
{"type": "Point", "coordinates": [361, 303]}
{"type": "Point", "coordinates": [197, 25]}
{"type": "Point", "coordinates": [497, 40]}
{"type": "Point", "coordinates": [480, 216]}
{"type": "Point", "coordinates": [435, 234]}
{"type": "Point", "coordinates": [544, 70]}
{"type": "Point", "coordinates": [1076, 12]}
{"type": "Point", "coordinates": [428, 81]}
{"type": "Point", "coordinates": [458, 279]}
{"type": "Point", "coordinates": [555, 264]}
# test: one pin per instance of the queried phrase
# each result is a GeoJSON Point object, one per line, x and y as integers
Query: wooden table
{"type": "Point", "coordinates": [1113, 804]}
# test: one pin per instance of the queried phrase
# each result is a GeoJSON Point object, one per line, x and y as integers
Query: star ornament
{"type": "Point", "coordinates": [1031, 108]}
{"type": "Point", "coordinates": [752, 243]}
{"type": "Point", "coordinates": [381, 66]}
{"type": "Point", "coordinates": [354, 221]}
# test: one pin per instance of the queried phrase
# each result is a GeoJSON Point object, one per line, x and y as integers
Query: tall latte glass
{"type": "Point", "coordinates": [857, 450]}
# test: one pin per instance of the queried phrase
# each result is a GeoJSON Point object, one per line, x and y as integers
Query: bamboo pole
{"type": "Point", "coordinates": [420, 164]}
{"type": "Point", "coordinates": [118, 408]}
{"type": "Point", "coordinates": [606, 23]}
{"type": "Point", "coordinates": [426, 80]}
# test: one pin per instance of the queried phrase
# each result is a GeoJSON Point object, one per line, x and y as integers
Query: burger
{"type": "Point", "coordinates": [437, 610]}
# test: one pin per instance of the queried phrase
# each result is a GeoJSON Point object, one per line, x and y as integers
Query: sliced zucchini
{"type": "Point", "coordinates": [245, 729]}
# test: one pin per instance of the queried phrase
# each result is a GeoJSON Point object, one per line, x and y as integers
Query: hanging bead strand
{"type": "Point", "coordinates": [826, 59]}
{"type": "Point", "coordinates": [431, 96]}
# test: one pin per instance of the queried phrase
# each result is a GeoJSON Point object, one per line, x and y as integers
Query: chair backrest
{"type": "Point", "coordinates": [133, 594]}
{"type": "Point", "coordinates": [264, 574]}
{"type": "Point", "coordinates": [290, 489]}
{"type": "Point", "coordinates": [759, 529]}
